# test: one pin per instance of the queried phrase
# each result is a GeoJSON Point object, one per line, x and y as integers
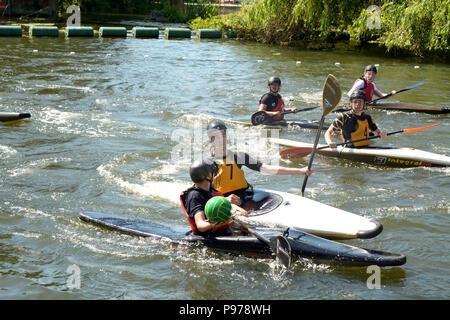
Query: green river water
{"type": "Point", "coordinates": [108, 116]}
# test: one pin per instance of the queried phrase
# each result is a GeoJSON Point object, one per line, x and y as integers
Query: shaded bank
{"type": "Point", "coordinates": [418, 28]}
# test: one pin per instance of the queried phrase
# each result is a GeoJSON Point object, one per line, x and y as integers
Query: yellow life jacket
{"type": "Point", "coordinates": [353, 128]}
{"type": "Point", "coordinates": [229, 177]}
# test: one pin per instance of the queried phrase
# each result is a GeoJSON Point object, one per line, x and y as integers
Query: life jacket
{"type": "Point", "coordinates": [354, 129]}
{"type": "Point", "coordinates": [192, 221]}
{"type": "Point", "coordinates": [368, 88]}
{"type": "Point", "coordinates": [229, 176]}
{"type": "Point", "coordinates": [276, 105]}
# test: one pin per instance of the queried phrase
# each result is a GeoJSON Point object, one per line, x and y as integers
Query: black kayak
{"type": "Point", "coordinates": [303, 245]}
{"type": "Point", "coordinates": [11, 116]}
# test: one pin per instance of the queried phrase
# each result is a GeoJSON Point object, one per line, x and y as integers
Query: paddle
{"type": "Point", "coordinates": [401, 90]}
{"type": "Point", "coordinates": [331, 96]}
{"type": "Point", "coordinates": [261, 117]}
{"type": "Point", "coordinates": [278, 245]}
{"type": "Point", "coordinates": [300, 152]}
{"type": "Point", "coordinates": [386, 96]}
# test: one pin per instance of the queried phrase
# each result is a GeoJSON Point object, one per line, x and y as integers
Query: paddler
{"type": "Point", "coordinates": [366, 84]}
{"type": "Point", "coordinates": [230, 178]}
{"type": "Point", "coordinates": [354, 124]}
{"type": "Point", "coordinates": [197, 206]}
{"type": "Point", "coordinates": [272, 102]}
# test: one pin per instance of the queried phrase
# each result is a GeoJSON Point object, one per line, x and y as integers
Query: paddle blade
{"type": "Point", "coordinates": [420, 129]}
{"type": "Point", "coordinates": [281, 247]}
{"type": "Point", "coordinates": [332, 94]}
{"type": "Point", "coordinates": [296, 152]}
{"type": "Point", "coordinates": [259, 117]}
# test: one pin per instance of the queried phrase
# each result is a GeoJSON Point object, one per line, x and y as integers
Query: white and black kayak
{"type": "Point", "coordinates": [11, 116]}
{"type": "Point", "coordinates": [286, 210]}
{"type": "Point", "coordinates": [303, 245]}
{"type": "Point", "coordinates": [384, 156]}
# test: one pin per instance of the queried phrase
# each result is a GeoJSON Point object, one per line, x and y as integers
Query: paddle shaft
{"type": "Point", "coordinates": [401, 90]}
{"type": "Point", "coordinates": [316, 141]}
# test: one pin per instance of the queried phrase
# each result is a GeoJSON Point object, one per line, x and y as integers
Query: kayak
{"type": "Point", "coordinates": [11, 116]}
{"type": "Point", "coordinates": [303, 245]}
{"type": "Point", "coordinates": [271, 208]}
{"type": "Point", "coordinates": [304, 124]}
{"type": "Point", "coordinates": [384, 156]}
{"type": "Point", "coordinates": [402, 106]}
{"type": "Point", "coordinates": [286, 210]}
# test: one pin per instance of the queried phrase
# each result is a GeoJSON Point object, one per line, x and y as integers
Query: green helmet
{"type": "Point", "coordinates": [218, 209]}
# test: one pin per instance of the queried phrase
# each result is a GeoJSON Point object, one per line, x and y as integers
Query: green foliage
{"type": "Point", "coordinates": [417, 27]}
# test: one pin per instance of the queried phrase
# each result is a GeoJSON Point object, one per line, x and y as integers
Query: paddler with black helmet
{"type": "Point", "coordinates": [272, 102]}
{"type": "Point", "coordinates": [230, 178]}
{"type": "Point", "coordinates": [366, 83]}
{"type": "Point", "coordinates": [207, 211]}
{"type": "Point", "coordinates": [354, 124]}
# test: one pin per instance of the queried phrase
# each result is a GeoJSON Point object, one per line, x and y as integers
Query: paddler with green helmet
{"type": "Point", "coordinates": [354, 124]}
{"type": "Point", "coordinates": [207, 211]}
{"type": "Point", "coordinates": [230, 178]}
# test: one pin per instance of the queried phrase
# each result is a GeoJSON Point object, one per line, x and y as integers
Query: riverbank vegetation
{"type": "Point", "coordinates": [412, 27]}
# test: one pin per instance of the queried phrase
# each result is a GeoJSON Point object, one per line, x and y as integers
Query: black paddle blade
{"type": "Point", "coordinates": [259, 118]}
{"type": "Point", "coordinates": [281, 247]}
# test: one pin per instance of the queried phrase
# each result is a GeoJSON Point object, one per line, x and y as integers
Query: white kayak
{"type": "Point", "coordinates": [286, 210]}
{"type": "Point", "coordinates": [385, 156]}
{"type": "Point", "coordinates": [279, 209]}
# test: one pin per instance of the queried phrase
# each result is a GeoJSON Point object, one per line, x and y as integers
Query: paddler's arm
{"type": "Point", "coordinates": [265, 168]}
{"type": "Point", "coordinates": [204, 225]}
{"type": "Point", "coordinates": [381, 134]}
{"type": "Point", "coordinates": [263, 107]}
{"type": "Point", "coordinates": [235, 208]}
{"type": "Point", "coordinates": [328, 134]}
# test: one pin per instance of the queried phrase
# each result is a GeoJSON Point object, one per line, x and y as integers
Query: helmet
{"type": "Point", "coordinates": [274, 80]}
{"type": "Point", "coordinates": [370, 67]}
{"type": "Point", "coordinates": [200, 169]}
{"type": "Point", "coordinates": [358, 94]}
{"type": "Point", "coordinates": [215, 125]}
{"type": "Point", "coordinates": [218, 209]}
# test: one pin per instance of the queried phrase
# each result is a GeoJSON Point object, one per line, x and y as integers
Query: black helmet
{"type": "Point", "coordinates": [200, 169]}
{"type": "Point", "coordinates": [274, 80]}
{"type": "Point", "coordinates": [358, 94]}
{"type": "Point", "coordinates": [370, 67]}
{"type": "Point", "coordinates": [215, 125]}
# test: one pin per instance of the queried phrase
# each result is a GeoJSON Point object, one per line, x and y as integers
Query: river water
{"type": "Point", "coordinates": [109, 118]}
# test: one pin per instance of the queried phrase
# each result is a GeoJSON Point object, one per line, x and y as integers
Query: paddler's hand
{"type": "Point", "coordinates": [236, 209]}
{"type": "Point", "coordinates": [393, 92]}
{"type": "Point", "coordinates": [383, 134]}
{"type": "Point", "coordinates": [332, 145]}
{"type": "Point", "coordinates": [294, 110]}
{"type": "Point", "coordinates": [234, 199]}
{"type": "Point", "coordinates": [306, 171]}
